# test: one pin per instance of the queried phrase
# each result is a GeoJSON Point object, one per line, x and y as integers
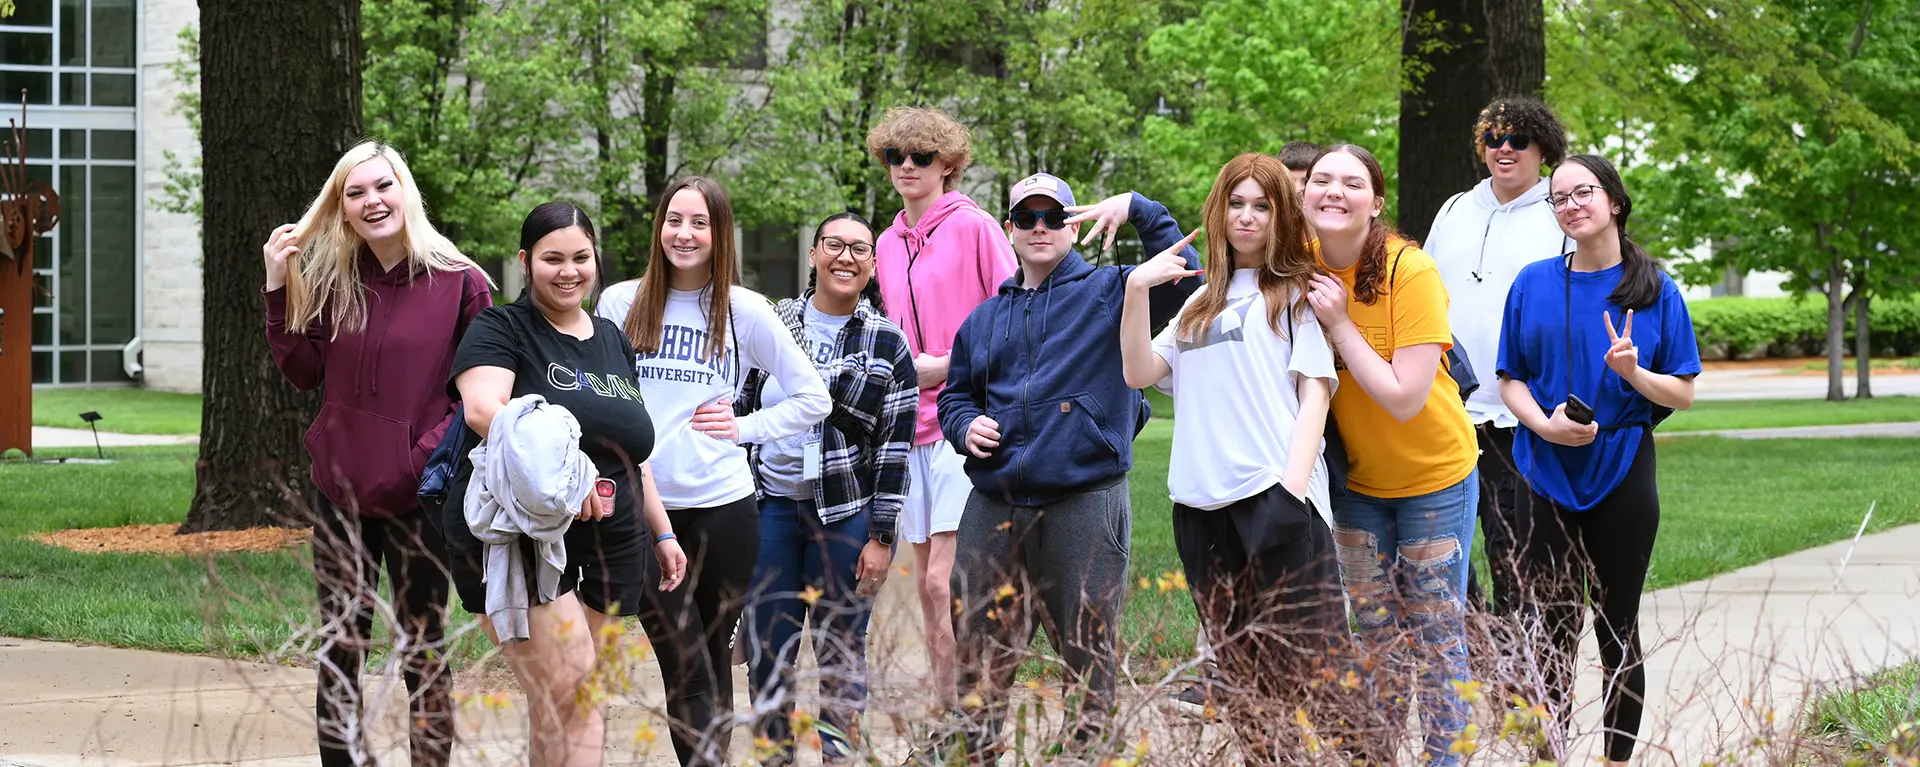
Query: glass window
{"type": "Point", "coordinates": [73, 89]}
{"type": "Point", "coordinates": [112, 33]}
{"type": "Point", "coordinates": [43, 329]}
{"type": "Point", "coordinates": [38, 85]}
{"type": "Point", "coordinates": [73, 146]}
{"type": "Point", "coordinates": [111, 254]}
{"type": "Point", "coordinates": [43, 367]}
{"type": "Point", "coordinates": [112, 90]}
{"type": "Point", "coordinates": [73, 367]}
{"type": "Point", "coordinates": [109, 367]}
{"type": "Point", "coordinates": [43, 283]}
{"type": "Point", "coordinates": [32, 13]}
{"type": "Point", "coordinates": [72, 254]}
{"type": "Point", "coordinates": [73, 33]}
{"type": "Point", "coordinates": [30, 48]}
{"type": "Point", "coordinates": [39, 145]}
{"type": "Point", "coordinates": [73, 296]}
{"type": "Point", "coordinates": [112, 145]}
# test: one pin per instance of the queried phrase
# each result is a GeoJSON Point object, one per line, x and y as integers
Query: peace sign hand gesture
{"type": "Point", "coordinates": [1623, 357]}
{"type": "Point", "coordinates": [1170, 265]}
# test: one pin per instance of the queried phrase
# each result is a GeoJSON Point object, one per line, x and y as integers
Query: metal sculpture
{"type": "Point", "coordinates": [28, 209]}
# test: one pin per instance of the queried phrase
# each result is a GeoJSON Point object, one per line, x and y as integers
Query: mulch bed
{"type": "Point", "coordinates": [159, 539]}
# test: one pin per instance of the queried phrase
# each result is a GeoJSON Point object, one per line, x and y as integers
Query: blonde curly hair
{"type": "Point", "coordinates": [923, 129]}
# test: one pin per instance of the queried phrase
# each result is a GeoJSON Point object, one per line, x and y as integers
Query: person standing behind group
{"type": "Point", "coordinates": [694, 335]}
{"type": "Point", "coordinates": [1251, 377]}
{"type": "Point", "coordinates": [1404, 523]}
{"type": "Point", "coordinates": [1038, 400]}
{"type": "Point", "coordinates": [1595, 510]}
{"type": "Point", "coordinates": [366, 299]}
{"type": "Point", "coordinates": [830, 497]}
{"type": "Point", "coordinates": [1480, 241]}
{"type": "Point", "coordinates": [546, 344]}
{"type": "Point", "coordinates": [942, 257]}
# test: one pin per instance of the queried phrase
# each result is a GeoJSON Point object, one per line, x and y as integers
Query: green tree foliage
{"type": "Point", "coordinates": [1785, 135]}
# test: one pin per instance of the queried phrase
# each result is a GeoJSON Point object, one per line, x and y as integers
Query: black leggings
{"type": "Point", "coordinates": [1504, 499]}
{"type": "Point", "coordinates": [347, 554]}
{"type": "Point", "coordinates": [1600, 555]}
{"type": "Point", "coordinates": [691, 627]}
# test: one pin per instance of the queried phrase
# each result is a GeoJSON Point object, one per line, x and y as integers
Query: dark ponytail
{"type": "Point", "coordinates": [870, 293]}
{"type": "Point", "coordinates": [1639, 284]}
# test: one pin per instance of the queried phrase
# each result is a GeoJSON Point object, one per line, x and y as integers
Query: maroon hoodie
{"type": "Point", "coordinates": [386, 403]}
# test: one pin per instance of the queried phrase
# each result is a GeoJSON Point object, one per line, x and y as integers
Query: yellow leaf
{"type": "Point", "coordinates": [810, 594]}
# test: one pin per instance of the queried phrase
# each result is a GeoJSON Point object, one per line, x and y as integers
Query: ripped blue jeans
{"type": "Point", "coordinates": [1403, 562]}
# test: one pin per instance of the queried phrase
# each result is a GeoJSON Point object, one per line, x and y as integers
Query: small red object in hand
{"type": "Point", "coordinates": [603, 487]}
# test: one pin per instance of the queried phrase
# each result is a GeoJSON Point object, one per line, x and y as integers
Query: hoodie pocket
{"type": "Point", "coordinates": [1065, 446]}
{"type": "Point", "coordinates": [364, 461]}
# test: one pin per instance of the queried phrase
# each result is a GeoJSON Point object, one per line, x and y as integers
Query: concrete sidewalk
{"type": "Point", "coordinates": [50, 436]}
{"type": "Point", "coordinates": [1769, 384]}
{"type": "Point", "coordinates": [1729, 658]}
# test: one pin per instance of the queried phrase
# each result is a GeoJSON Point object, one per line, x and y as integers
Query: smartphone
{"type": "Point", "coordinates": [1578, 411]}
{"type": "Point", "coordinates": [604, 488]}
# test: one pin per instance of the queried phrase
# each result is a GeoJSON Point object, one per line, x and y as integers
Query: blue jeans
{"type": "Point", "coordinates": [1404, 564]}
{"type": "Point", "coordinates": [797, 551]}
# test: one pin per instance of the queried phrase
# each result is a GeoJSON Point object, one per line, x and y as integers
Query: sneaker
{"type": "Point", "coordinates": [1192, 701]}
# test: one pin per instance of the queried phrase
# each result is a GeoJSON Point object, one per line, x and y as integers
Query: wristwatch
{"type": "Point", "coordinates": [885, 537]}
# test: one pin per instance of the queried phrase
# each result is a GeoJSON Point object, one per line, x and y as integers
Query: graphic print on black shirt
{"type": "Point", "coordinates": [592, 378]}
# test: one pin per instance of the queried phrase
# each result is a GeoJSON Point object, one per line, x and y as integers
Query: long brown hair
{"type": "Point", "coordinates": [1286, 261]}
{"type": "Point", "coordinates": [649, 309]}
{"type": "Point", "coordinates": [1369, 281]}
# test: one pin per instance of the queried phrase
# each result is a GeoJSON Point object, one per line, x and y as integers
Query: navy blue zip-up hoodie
{"type": "Point", "coordinates": [1045, 364]}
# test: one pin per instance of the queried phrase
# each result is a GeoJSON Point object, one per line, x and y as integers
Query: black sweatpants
{"type": "Point", "coordinates": [1601, 555]}
{"type": "Point", "coordinates": [691, 627]}
{"type": "Point", "coordinates": [348, 551]}
{"type": "Point", "coordinates": [1272, 612]}
{"type": "Point", "coordinates": [1064, 563]}
{"type": "Point", "coordinates": [1504, 499]}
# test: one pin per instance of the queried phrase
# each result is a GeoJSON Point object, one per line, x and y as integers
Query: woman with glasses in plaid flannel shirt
{"type": "Point", "coordinates": [830, 497]}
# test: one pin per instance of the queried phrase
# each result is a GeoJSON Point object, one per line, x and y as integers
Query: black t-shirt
{"type": "Point", "coordinates": [592, 378]}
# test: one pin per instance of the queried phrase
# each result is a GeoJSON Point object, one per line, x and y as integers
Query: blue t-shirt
{"type": "Point", "coordinates": [1549, 346]}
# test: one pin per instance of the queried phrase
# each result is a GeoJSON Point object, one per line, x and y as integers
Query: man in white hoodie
{"type": "Point", "coordinates": [1480, 240]}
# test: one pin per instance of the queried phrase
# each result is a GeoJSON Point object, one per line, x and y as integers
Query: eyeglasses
{"type": "Point", "coordinates": [834, 246]}
{"type": "Point", "coordinates": [1519, 141]}
{"type": "Point", "coordinates": [1024, 219]}
{"type": "Point", "coordinates": [1580, 195]}
{"type": "Point", "coordinates": [896, 157]}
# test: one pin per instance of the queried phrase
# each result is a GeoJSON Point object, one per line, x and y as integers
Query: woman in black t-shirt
{"type": "Point", "coordinates": [546, 344]}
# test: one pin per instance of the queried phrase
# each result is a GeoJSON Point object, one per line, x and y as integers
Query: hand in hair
{"type": "Point", "coordinates": [283, 246]}
{"type": "Point", "coordinates": [1623, 357]}
{"type": "Point", "coordinates": [1107, 215]}
{"type": "Point", "coordinates": [1329, 300]}
{"type": "Point", "coordinates": [1169, 265]}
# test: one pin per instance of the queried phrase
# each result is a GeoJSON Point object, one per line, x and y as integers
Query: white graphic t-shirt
{"type": "Point", "coordinates": [1236, 398]}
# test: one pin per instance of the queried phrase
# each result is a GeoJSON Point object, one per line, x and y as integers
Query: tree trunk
{"type": "Point", "coordinates": [1457, 62]}
{"type": "Point", "coordinates": [1862, 346]}
{"type": "Point", "coordinates": [1836, 330]}
{"type": "Point", "coordinates": [280, 85]}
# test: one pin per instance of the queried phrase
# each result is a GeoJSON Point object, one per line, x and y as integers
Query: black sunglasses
{"type": "Point", "coordinates": [1055, 218]}
{"type": "Point", "coordinates": [896, 157]}
{"type": "Point", "coordinates": [1519, 141]}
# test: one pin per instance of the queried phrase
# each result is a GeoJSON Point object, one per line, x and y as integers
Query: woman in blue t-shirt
{"type": "Point", "coordinates": [1587, 403]}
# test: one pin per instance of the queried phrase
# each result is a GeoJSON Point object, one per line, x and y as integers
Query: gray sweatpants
{"type": "Point", "coordinates": [1069, 559]}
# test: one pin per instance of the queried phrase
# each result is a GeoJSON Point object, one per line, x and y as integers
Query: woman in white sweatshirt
{"type": "Point", "coordinates": [1480, 240]}
{"type": "Point", "coordinates": [694, 335]}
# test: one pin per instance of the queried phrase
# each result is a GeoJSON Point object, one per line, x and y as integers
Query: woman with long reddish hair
{"type": "Point", "coordinates": [1251, 376]}
{"type": "Point", "coordinates": [694, 336]}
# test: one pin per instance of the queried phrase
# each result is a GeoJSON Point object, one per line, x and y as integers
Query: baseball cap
{"type": "Point", "coordinates": [1043, 184]}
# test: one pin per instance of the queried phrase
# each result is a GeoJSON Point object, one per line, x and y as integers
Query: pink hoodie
{"type": "Point", "coordinates": [933, 275]}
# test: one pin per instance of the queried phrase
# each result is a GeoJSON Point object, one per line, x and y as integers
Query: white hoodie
{"type": "Point", "coordinates": [529, 480]}
{"type": "Point", "coordinates": [1479, 246]}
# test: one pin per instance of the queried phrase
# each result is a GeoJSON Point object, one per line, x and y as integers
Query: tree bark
{"type": "Point", "coordinates": [1862, 332]}
{"type": "Point", "coordinates": [1458, 55]}
{"type": "Point", "coordinates": [280, 85]}
{"type": "Point", "coordinates": [1836, 329]}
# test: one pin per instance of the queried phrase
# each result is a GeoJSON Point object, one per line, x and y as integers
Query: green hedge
{"type": "Point", "coordinates": [1745, 328]}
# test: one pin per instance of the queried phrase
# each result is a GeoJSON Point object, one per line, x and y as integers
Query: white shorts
{"type": "Point", "coordinates": [938, 492]}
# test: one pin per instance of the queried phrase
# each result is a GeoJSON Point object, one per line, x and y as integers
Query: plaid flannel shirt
{"type": "Point", "coordinates": [864, 442]}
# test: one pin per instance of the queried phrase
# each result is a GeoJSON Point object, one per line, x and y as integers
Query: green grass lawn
{"type": "Point", "coordinates": [125, 410]}
{"type": "Point", "coordinates": [1726, 504]}
{"type": "Point", "coordinates": [1866, 718]}
{"type": "Point", "coordinates": [1714, 415]}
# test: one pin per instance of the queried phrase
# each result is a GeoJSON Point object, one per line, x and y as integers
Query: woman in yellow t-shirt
{"type": "Point", "coordinates": [1404, 525]}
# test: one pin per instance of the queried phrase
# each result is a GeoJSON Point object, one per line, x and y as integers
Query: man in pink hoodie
{"type": "Point", "coordinates": [942, 257]}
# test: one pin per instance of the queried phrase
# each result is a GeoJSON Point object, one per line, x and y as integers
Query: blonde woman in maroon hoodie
{"type": "Point", "coordinates": [365, 300]}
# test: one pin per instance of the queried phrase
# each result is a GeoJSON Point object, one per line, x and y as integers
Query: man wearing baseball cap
{"type": "Point", "coordinates": [1037, 402]}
